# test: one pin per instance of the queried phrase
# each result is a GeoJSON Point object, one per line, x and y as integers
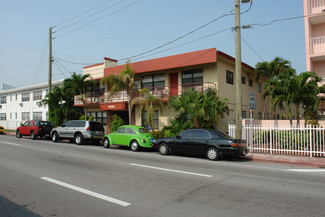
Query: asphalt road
{"type": "Point", "coordinates": [41, 178]}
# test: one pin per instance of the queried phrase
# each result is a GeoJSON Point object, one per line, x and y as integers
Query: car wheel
{"type": "Point", "coordinates": [135, 146]}
{"type": "Point", "coordinates": [32, 135]}
{"type": "Point", "coordinates": [18, 135]}
{"type": "Point", "coordinates": [79, 139]}
{"type": "Point", "coordinates": [106, 142]}
{"type": "Point", "coordinates": [55, 137]}
{"type": "Point", "coordinates": [163, 149]}
{"type": "Point", "coordinates": [213, 154]}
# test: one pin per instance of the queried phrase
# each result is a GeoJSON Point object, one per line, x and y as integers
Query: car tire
{"type": "Point", "coordinates": [134, 145]}
{"type": "Point", "coordinates": [106, 143]}
{"type": "Point", "coordinates": [163, 149]}
{"type": "Point", "coordinates": [18, 135]}
{"type": "Point", "coordinates": [79, 139]}
{"type": "Point", "coordinates": [32, 135]}
{"type": "Point", "coordinates": [213, 154]}
{"type": "Point", "coordinates": [55, 137]}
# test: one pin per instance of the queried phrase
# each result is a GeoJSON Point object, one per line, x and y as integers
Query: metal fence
{"type": "Point", "coordinates": [287, 140]}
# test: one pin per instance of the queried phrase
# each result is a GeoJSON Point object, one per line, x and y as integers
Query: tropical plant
{"type": "Point", "coordinates": [202, 108]}
{"type": "Point", "coordinates": [148, 102]}
{"type": "Point", "coordinates": [116, 123]}
{"type": "Point", "coordinates": [121, 82]}
{"type": "Point", "coordinates": [79, 85]}
{"type": "Point", "coordinates": [270, 70]}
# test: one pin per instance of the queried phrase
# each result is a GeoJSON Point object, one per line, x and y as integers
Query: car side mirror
{"type": "Point", "coordinates": [178, 137]}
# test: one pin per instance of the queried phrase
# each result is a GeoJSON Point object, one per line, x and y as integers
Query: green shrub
{"type": "Point", "coordinates": [116, 123]}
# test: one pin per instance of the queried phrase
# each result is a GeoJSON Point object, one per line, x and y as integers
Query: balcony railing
{"type": "Point", "coordinates": [317, 45]}
{"type": "Point", "coordinates": [315, 6]}
{"type": "Point", "coordinates": [163, 92]}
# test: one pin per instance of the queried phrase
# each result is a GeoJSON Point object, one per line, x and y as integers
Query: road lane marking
{"type": "Point", "coordinates": [10, 143]}
{"type": "Point", "coordinates": [307, 170]}
{"type": "Point", "coordinates": [90, 193]}
{"type": "Point", "coordinates": [170, 170]}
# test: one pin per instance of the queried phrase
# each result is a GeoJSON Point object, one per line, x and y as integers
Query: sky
{"type": "Point", "coordinates": [84, 32]}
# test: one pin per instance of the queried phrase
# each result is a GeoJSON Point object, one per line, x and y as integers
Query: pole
{"type": "Point", "coordinates": [238, 72]}
{"type": "Point", "coordinates": [50, 60]}
{"type": "Point", "coordinates": [251, 130]}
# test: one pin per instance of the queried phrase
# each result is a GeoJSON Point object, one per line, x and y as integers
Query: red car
{"type": "Point", "coordinates": [35, 129]}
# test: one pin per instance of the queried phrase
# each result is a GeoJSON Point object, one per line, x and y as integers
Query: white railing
{"type": "Point", "coordinates": [317, 45]}
{"type": "Point", "coordinates": [288, 140]}
{"type": "Point", "coordinates": [315, 6]}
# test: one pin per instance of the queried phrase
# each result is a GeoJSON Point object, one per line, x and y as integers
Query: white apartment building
{"type": "Point", "coordinates": [21, 104]}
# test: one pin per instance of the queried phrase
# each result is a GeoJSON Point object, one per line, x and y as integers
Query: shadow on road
{"type": "Point", "coordinates": [8, 208]}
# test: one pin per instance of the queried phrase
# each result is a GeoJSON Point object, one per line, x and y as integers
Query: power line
{"type": "Point", "coordinates": [99, 18]}
{"type": "Point", "coordinates": [89, 16]}
{"type": "Point", "coordinates": [59, 69]}
{"type": "Point", "coordinates": [142, 29]}
{"type": "Point", "coordinates": [72, 18]}
{"type": "Point", "coordinates": [251, 48]}
{"type": "Point", "coordinates": [74, 62]}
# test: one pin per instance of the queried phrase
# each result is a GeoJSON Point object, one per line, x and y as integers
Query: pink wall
{"type": "Point", "coordinates": [277, 122]}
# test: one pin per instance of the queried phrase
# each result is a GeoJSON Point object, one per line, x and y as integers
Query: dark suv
{"type": "Point", "coordinates": [35, 129]}
{"type": "Point", "coordinates": [79, 131]}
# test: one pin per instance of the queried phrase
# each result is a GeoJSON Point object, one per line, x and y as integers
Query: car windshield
{"type": "Point", "coordinates": [221, 134]}
{"type": "Point", "coordinates": [143, 130]}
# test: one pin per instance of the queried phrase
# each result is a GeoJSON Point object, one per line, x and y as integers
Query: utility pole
{"type": "Point", "coordinates": [50, 60]}
{"type": "Point", "coordinates": [238, 72]}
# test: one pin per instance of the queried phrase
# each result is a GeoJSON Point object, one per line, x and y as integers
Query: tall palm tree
{"type": "Point", "coordinates": [147, 102]}
{"type": "Point", "coordinates": [270, 70]}
{"type": "Point", "coordinates": [123, 81]}
{"type": "Point", "coordinates": [79, 85]}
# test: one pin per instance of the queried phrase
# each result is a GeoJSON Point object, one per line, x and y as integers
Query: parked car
{"type": "Point", "coordinates": [34, 129]}
{"type": "Point", "coordinates": [79, 131]}
{"type": "Point", "coordinates": [212, 143]}
{"type": "Point", "coordinates": [2, 130]}
{"type": "Point", "coordinates": [131, 136]}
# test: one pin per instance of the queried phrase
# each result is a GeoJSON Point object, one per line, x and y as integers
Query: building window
{"type": "Point", "coordinates": [155, 119]}
{"type": "Point", "coordinates": [37, 116]}
{"type": "Point", "coordinates": [3, 116]}
{"type": "Point", "coordinates": [230, 77]}
{"type": "Point", "coordinates": [259, 116]}
{"type": "Point", "coordinates": [250, 82]}
{"type": "Point", "coordinates": [278, 117]}
{"type": "Point", "coordinates": [3, 99]}
{"type": "Point", "coordinates": [259, 87]}
{"type": "Point", "coordinates": [37, 95]}
{"type": "Point", "coordinates": [25, 97]}
{"type": "Point", "coordinates": [153, 81]}
{"type": "Point", "coordinates": [268, 116]}
{"type": "Point", "coordinates": [100, 117]}
{"type": "Point", "coordinates": [193, 77]}
{"type": "Point", "coordinates": [243, 80]}
{"type": "Point", "coordinates": [25, 116]}
{"type": "Point", "coordinates": [243, 114]}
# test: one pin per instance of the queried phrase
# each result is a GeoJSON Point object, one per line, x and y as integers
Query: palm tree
{"type": "Point", "coordinates": [79, 85]}
{"type": "Point", "coordinates": [147, 102]}
{"type": "Point", "coordinates": [270, 70]}
{"type": "Point", "coordinates": [123, 81]}
{"type": "Point", "coordinates": [202, 108]}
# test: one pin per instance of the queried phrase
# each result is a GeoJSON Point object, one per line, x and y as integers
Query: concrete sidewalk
{"type": "Point", "coordinates": [288, 159]}
{"type": "Point", "coordinates": [276, 158]}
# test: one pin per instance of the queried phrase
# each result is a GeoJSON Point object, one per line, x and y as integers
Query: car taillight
{"type": "Point", "coordinates": [88, 128]}
{"type": "Point", "coordinates": [143, 140]}
{"type": "Point", "coordinates": [238, 145]}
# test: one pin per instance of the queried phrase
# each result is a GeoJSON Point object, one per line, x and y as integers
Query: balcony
{"type": "Point", "coordinates": [317, 48]}
{"type": "Point", "coordinates": [163, 92]}
{"type": "Point", "coordinates": [316, 8]}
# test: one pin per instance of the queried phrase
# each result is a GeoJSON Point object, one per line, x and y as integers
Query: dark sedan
{"type": "Point", "coordinates": [212, 143]}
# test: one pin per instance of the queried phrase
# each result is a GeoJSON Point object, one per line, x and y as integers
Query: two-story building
{"type": "Point", "coordinates": [171, 75]}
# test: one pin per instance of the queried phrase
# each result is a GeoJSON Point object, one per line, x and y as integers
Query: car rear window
{"type": "Point", "coordinates": [95, 126]}
{"type": "Point", "coordinates": [221, 135]}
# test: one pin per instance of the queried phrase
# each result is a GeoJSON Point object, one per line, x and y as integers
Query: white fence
{"type": "Point", "coordinates": [288, 140]}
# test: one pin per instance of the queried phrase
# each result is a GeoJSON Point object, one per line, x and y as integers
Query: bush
{"type": "Point", "coordinates": [116, 123]}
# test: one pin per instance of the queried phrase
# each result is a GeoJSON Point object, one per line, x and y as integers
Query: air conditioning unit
{"type": "Point", "coordinates": [21, 104]}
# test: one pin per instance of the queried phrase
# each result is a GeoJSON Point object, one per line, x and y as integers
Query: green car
{"type": "Point", "coordinates": [132, 136]}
